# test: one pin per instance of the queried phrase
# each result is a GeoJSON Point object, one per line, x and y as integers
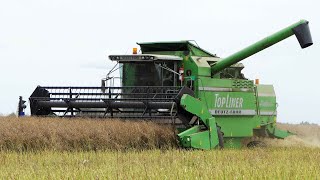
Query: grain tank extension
{"type": "Point", "coordinates": [207, 98]}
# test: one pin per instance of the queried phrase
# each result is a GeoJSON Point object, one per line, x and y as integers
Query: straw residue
{"type": "Point", "coordinates": [307, 135]}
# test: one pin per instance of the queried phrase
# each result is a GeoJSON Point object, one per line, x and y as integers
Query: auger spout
{"type": "Point", "coordinates": [300, 30]}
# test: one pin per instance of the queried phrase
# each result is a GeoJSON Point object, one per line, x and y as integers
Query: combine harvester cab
{"type": "Point", "coordinates": [209, 100]}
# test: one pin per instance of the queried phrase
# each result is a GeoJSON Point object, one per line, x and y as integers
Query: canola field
{"type": "Point", "coordinates": [77, 151]}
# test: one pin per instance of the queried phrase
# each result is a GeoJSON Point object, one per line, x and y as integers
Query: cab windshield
{"type": "Point", "coordinates": [149, 74]}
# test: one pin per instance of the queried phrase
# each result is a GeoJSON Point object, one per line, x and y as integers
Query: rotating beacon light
{"type": "Point", "coordinates": [134, 50]}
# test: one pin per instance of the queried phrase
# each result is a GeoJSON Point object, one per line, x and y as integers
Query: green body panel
{"type": "Point", "coordinates": [266, 100]}
{"type": "Point", "coordinates": [201, 140]}
{"type": "Point", "coordinates": [235, 142]}
{"type": "Point", "coordinates": [237, 126]}
{"type": "Point", "coordinates": [223, 96]}
{"type": "Point", "coordinates": [196, 137]}
{"type": "Point", "coordinates": [278, 133]}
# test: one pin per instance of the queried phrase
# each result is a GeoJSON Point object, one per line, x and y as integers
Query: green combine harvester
{"type": "Point", "coordinates": [207, 98]}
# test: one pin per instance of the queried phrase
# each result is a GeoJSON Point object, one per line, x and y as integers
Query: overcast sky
{"type": "Point", "coordinates": [63, 42]}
